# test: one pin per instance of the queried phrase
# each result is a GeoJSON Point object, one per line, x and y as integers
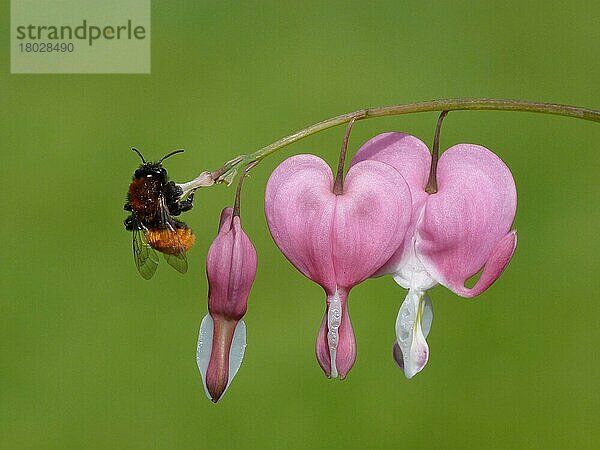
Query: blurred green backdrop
{"type": "Point", "coordinates": [93, 356]}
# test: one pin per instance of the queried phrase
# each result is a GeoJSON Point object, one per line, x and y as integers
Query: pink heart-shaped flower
{"type": "Point", "coordinates": [337, 240]}
{"type": "Point", "coordinates": [462, 228]}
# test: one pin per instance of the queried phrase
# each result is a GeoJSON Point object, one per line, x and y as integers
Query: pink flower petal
{"type": "Point", "coordinates": [405, 153]}
{"type": "Point", "coordinates": [299, 207]}
{"type": "Point", "coordinates": [231, 268]}
{"type": "Point", "coordinates": [464, 223]}
{"type": "Point", "coordinates": [371, 219]}
{"type": "Point", "coordinates": [495, 265]}
{"type": "Point", "coordinates": [409, 156]}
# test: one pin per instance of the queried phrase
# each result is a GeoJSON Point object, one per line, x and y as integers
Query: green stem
{"type": "Point", "coordinates": [227, 172]}
{"type": "Point", "coordinates": [238, 192]}
{"type": "Point", "coordinates": [431, 186]}
{"type": "Point", "coordinates": [338, 186]}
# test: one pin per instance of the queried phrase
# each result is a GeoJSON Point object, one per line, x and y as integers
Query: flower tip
{"type": "Point", "coordinates": [495, 265]}
{"type": "Point", "coordinates": [346, 364]}
{"type": "Point", "coordinates": [216, 384]}
{"type": "Point", "coordinates": [219, 354]}
{"type": "Point", "coordinates": [413, 369]}
{"type": "Point", "coordinates": [410, 350]}
{"type": "Point", "coordinates": [336, 346]}
{"type": "Point", "coordinates": [397, 355]}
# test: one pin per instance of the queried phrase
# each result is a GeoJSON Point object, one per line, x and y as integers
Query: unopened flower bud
{"type": "Point", "coordinates": [231, 267]}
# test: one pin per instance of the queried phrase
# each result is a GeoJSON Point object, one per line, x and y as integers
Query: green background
{"type": "Point", "coordinates": [93, 356]}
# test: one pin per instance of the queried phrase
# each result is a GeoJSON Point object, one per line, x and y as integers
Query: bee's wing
{"type": "Point", "coordinates": [178, 262]}
{"type": "Point", "coordinates": [177, 258]}
{"type": "Point", "coordinates": [145, 257]}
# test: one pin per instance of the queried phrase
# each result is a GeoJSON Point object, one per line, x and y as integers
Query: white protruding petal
{"type": "Point", "coordinates": [204, 350]}
{"type": "Point", "coordinates": [237, 350]}
{"type": "Point", "coordinates": [412, 326]}
{"type": "Point", "coordinates": [427, 317]}
{"type": "Point", "coordinates": [334, 319]}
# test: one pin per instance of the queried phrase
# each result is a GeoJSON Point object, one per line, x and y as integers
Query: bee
{"type": "Point", "coordinates": [153, 200]}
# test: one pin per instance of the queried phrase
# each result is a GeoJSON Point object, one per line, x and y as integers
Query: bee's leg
{"type": "Point", "coordinates": [184, 205]}
{"type": "Point", "coordinates": [129, 223]}
{"type": "Point", "coordinates": [127, 207]}
{"type": "Point", "coordinates": [188, 203]}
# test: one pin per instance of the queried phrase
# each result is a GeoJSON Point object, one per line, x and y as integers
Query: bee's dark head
{"type": "Point", "coordinates": [152, 169]}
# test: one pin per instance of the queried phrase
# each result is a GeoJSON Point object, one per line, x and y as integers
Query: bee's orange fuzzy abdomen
{"type": "Point", "coordinates": [171, 242]}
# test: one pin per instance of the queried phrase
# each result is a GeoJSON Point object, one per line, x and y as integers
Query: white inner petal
{"type": "Point", "coordinates": [412, 274]}
{"type": "Point", "coordinates": [204, 350]}
{"type": "Point", "coordinates": [412, 326]}
{"type": "Point", "coordinates": [334, 318]}
{"type": "Point", "coordinates": [237, 350]}
{"type": "Point", "coordinates": [427, 317]}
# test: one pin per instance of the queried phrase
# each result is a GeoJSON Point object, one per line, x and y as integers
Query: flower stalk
{"type": "Point", "coordinates": [338, 187]}
{"type": "Point", "coordinates": [431, 187]}
{"type": "Point", "coordinates": [229, 170]}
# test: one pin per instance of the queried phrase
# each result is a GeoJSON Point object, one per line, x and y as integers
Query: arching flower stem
{"type": "Point", "coordinates": [229, 170]}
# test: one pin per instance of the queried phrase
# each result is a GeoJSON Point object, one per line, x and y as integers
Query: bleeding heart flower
{"type": "Point", "coordinates": [455, 232]}
{"type": "Point", "coordinates": [231, 268]}
{"type": "Point", "coordinates": [337, 239]}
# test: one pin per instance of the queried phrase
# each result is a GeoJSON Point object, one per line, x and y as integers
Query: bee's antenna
{"type": "Point", "coordinates": [170, 154]}
{"type": "Point", "coordinates": [138, 152]}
